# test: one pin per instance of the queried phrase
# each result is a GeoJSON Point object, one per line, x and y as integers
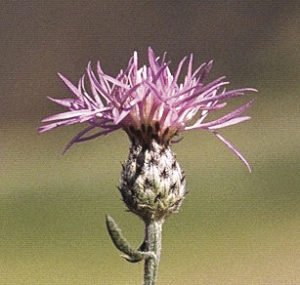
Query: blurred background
{"type": "Point", "coordinates": [234, 227]}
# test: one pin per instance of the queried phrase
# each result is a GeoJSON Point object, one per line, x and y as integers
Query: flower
{"type": "Point", "coordinates": [148, 103]}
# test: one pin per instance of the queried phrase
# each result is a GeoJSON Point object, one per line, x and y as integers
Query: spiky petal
{"type": "Point", "coordinates": [148, 102]}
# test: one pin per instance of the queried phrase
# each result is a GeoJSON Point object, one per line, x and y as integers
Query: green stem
{"type": "Point", "coordinates": [153, 234]}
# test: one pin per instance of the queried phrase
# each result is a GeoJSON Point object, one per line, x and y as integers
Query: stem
{"type": "Point", "coordinates": [153, 233]}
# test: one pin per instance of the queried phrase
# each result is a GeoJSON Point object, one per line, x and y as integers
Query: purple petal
{"type": "Point", "coordinates": [100, 133]}
{"type": "Point", "coordinates": [205, 71]}
{"type": "Point", "coordinates": [198, 70]}
{"type": "Point", "coordinates": [152, 60]}
{"type": "Point", "coordinates": [70, 85]}
{"type": "Point", "coordinates": [51, 126]}
{"type": "Point", "coordinates": [121, 116]}
{"type": "Point", "coordinates": [66, 102]}
{"type": "Point", "coordinates": [96, 84]}
{"type": "Point", "coordinates": [223, 119]}
{"type": "Point", "coordinates": [227, 95]}
{"type": "Point", "coordinates": [190, 67]}
{"type": "Point", "coordinates": [206, 90]}
{"type": "Point", "coordinates": [66, 115]}
{"type": "Point", "coordinates": [115, 81]}
{"type": "Point", "coordinates": [231, 122]}
{"type": "Point", "coordinates": [78, 136]}
{"type": "Point", "coordinates": [177, 73]}
{"type": "Point", "coordinates": [155, 91]}
{"type": "Point", "coordinates": [233, 149]}
{"type": "Point", "coordinates": [159, 73]}
{"type": "Point", "coordinates": [214, 107]}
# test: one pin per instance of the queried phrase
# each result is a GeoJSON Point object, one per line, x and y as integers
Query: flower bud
{"type": "Point", "coordinates": [152, 182]}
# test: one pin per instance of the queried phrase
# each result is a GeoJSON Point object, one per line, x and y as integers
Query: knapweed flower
{"type": "Point", "coordinates": [153, 107]}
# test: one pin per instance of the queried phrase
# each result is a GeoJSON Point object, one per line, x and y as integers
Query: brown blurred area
{"type": "Point", "coordinates": [234, 228]}
{"type": "Point", "coordinates": [253, 43]}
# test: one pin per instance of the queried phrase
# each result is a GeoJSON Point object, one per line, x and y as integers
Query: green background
{"type": "Point", "coordinates": [233, 228]}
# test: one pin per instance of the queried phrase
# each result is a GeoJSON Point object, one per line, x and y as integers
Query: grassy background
{"type": "Point", "coordinates": [233, 228]}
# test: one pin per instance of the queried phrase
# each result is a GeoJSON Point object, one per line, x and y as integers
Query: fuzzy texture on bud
{"type": "Point", "coordinates": [152, 182]}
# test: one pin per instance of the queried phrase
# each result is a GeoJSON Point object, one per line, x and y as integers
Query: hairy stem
{"type": "Point", "coordinates": [153, 234]}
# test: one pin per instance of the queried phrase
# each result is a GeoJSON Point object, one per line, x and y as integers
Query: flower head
{"type": "Point", "coordinates": [148, 103]}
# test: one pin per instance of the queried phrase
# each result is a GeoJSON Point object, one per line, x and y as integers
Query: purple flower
{"type": "Point", "coordinates": [148, 103]}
